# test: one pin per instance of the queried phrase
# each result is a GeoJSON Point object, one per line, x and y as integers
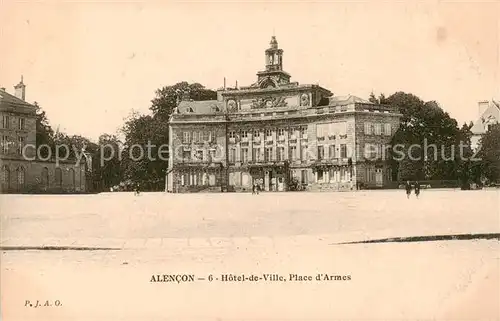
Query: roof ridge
{"type": "Point", "coordinates": [17, 100]}
{"type": "Point", "coordinates": [496, 103]}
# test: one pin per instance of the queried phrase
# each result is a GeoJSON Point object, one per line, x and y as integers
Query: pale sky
{"type": "Point", "coordinates": [89, 64]}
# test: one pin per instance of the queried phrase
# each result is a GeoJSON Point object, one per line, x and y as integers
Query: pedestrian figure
{"type": "Point", "coordinates": [257, 188]}
{"type": "Point", "coordinates": [253, 189]}
{"type": "Point", "coordinates": [417, 188]}
{"type": "Point", "coordinates": [408, 189]}
{"type": "Point", "coordinates": [137, 190]}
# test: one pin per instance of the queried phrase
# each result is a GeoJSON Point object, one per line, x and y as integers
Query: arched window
{"type": "Point", "coordinates": [45, 177]}
{"type": "Point", "coordinates": [20, 177]}
{"type": "Point", "coordinates": [72, 178]}
{"type": "Point", "coordinates": [58, 177]}
{"type": "Point", "coordinates": [6, 176]}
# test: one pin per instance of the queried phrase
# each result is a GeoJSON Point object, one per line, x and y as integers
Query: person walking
{"type": "Point", "coordinates": [253, 189]}
{"type": "Point", "coordinates": [137, 190]}
{"type": "Point", "coordinates": [417, 188]}
{"type": "Point", "coordinates": [408, 189]}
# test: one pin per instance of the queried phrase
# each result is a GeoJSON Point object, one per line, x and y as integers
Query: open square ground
{"type": "Point", "coordinates": [271, 233]}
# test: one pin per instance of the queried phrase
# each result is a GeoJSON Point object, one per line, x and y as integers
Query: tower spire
{"type": "Point", "coordinates": [20, 89]}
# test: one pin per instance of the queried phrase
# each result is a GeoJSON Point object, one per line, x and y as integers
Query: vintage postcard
{"type": "Point", "coordinates": [249, 160]}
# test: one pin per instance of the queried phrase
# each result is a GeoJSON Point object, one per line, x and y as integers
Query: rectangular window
{"type": "Point", "coordinates": [281, 133]}
{"type": "Point", "coordinates": [320, 175]}
{"type": "Point", "coordinates": [281, 154]}
{"type": "Point", "coordinates": [388, 129]}
{"type": "Point", "coordinates": [343, 151]}
{"type": "Point", "coordinates": [232, 134]}
{"type": "Point", "coordinates": [321, 130]}
{"type": "Point", "coordinates": [303, 132]}
{"type": "Point", "coordinates": [20, 145]}
{"type": "Point", "coordinates": [377, 129]}
{"type": "Point", "coordinates": [293, 153]}
{"type": "Point", "coordinates": [186, 138]}
{"type": "Point", "coordinates": [321, 152]}
{"type": "Point", "coordinates": [5, 144]}
{"type": "Point", "coordinates": [22, 123]}
{"type": "Point", "coordinates": [256, 154]}
{"type": "Point", "coordinates": [6, 122]}
{"type": "Point", "coordinates": [269, 133]}
{"type": "Point", "coordinates": [331, 151]}
{"type": "Point", "coordinates": [186, 155]}
{"type": "Point", "coordinates": [206, 136]}
{"type": "Point", "coordinates": [256, 134]}
{"type": "Point", "coordinates": [244, 155]}
{"type": "Point", "coordinates": [368, 128]}
{"type": "Point", "coordinates": [303, 176]}
{"type": "Point", "coordinates": [244, 134]}
{"type": "Point", "coordinates": [232, 155]}
{"type": "Point", "coordinates": [268, 154]}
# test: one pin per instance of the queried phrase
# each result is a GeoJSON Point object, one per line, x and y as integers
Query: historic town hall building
{"type": "Point", "coordinates": [276, 133]}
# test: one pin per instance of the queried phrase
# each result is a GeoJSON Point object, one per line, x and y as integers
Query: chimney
{"type": "Point", "coordinates": [2, 89]}
{"type": "Point", "coordinates": [483, 105]}
{"type": "Point", "coordinates": [20, 90]}
{"type": "Point", "coordinates": [224, 83]}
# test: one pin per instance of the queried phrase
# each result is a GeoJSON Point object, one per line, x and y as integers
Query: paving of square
{"type": "Point", "coordinates": [276, 233]}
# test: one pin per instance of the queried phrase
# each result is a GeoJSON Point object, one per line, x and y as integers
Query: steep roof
{"type": "Point", "coordinates": [6, 98]}
{"type": "Point", "coordinates": [349, 99]}
{"type": "Point", "coordinates": [199, 107]}
{"type": "Point", "coordinates": [491, 114]}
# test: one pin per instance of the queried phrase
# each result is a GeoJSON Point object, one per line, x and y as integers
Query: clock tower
{"type": "Point", "coordinates": [273, 76]}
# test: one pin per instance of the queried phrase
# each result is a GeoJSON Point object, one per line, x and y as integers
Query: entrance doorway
{"type": "Point", "coordinates": [281, 183]}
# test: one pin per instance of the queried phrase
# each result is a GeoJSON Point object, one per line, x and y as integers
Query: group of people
{"type": "Point", "coordinates": [255, 189]}
{"type": "Point", "coordinates": [409, 187]}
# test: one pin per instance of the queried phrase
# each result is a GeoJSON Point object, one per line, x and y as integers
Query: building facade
{"type": "Point", "coordinates": [277, 133]}
{"type": "Point", "coordinates": [489, 115]}
{"type": "Point", "coordinates": [22, 170]}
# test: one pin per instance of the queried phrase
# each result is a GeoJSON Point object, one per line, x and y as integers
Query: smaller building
{"type": "Point", "coordinates": [22, 168]}
{"type": "Point", "coordinates": [489, 115]}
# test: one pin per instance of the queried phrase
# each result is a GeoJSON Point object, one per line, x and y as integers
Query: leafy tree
{"type": "Point", "coordinates": [437, 134]}
{"type": "Point", "coordinates": [167, 97]}
{"type": "Point", "coordinates": [107, 162]}
{"type": "Point", "coordinates": [141, 130]}
{"type": "Point", "coordinates": [44, 132]}
{"type": "Point", "coordinates": [148, 169]}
